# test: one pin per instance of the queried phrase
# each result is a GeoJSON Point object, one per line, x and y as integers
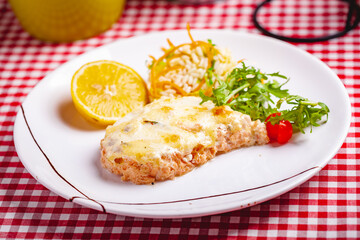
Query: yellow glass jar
{"type": "Point", "coordinates": [66, 20]}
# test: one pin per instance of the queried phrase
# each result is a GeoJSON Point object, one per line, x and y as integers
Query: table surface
{"type": "Point", "coordinates": [326, 206]}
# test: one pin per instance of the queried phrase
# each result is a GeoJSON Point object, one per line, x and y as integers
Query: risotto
{"type": "Point", "coordinates": [187, 68]}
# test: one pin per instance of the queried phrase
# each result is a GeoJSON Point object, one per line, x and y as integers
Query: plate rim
{"type": "Point", "coordinates": [20, 115]}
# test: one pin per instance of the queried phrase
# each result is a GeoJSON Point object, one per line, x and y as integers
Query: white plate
{"type": "Point", "coordinates": [61, 150]}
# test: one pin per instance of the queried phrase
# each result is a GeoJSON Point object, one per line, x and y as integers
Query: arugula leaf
{"type": "Point", "coordinates": [248, 90]}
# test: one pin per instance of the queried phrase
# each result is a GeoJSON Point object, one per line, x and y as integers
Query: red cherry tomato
{"type": "Point", "coordinates": [285, 131]}
{"type": "Point", "coordinates": [272, 130]}
{"type": "Point", "coordinates": [280, 132]}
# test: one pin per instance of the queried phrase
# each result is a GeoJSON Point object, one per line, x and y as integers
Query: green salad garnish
{"type": "Point", "coordinates": [248, 90]}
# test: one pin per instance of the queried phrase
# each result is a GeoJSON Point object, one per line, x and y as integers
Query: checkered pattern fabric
{"type": "Point", "coordinates": [326, 206]}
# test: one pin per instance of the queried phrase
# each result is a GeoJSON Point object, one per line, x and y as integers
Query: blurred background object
{"type": "Point", "coordinates": [349, 11]}
{"type": "Point", "coordinates": [195, 2]}
{"type": "Point", "coordinates": [66, 20]}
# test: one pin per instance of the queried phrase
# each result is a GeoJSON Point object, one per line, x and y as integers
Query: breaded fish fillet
{"type": "Point", "coordinates": [170, 137]}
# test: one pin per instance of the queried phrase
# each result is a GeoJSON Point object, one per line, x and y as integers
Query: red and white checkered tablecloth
{"type": "Point", "coordinates": [326, 206]}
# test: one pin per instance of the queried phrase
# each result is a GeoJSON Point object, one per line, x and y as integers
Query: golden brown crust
{"type": "Point", "coordinates": [177, 164]}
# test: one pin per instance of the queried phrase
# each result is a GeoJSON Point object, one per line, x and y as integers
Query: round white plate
{"type": "Point", "coordinates": [61, 150]}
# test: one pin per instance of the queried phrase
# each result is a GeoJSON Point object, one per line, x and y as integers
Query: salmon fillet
{"type": "Point", "coordinates": [170, 137]}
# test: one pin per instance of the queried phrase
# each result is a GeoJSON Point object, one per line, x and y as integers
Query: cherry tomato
{"type": "Point", "coordinates": [272, 130]}
{"type": "Point", "coordinates": [280, 132]}
{"type": "Point", "coordinates": [285, 131]}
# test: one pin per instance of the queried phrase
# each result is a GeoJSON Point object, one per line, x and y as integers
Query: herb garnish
{"type": "Point", "coordinates": [248, 90]}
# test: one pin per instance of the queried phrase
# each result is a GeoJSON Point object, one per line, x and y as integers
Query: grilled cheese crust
{"type": "Point", "coordinates": [169, 137]}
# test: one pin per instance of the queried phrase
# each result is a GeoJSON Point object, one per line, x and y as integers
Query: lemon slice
{"type": "Point", "coordinates": [104, 91]}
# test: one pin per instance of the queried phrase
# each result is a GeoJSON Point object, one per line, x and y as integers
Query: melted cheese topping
{"type": "Point", "coordinates": [168, 126]}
